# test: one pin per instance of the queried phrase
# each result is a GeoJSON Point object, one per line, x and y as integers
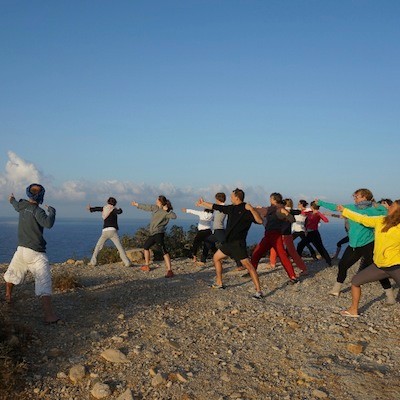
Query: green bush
{"type": "Point", "coordinates": [177, 241]}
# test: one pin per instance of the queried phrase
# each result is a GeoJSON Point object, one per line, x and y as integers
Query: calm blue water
{"type": "Point", "coordinates": [76, 238]}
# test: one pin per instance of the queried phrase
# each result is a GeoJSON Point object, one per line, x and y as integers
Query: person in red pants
{"type": "Point", "coordinates": [275, 215]}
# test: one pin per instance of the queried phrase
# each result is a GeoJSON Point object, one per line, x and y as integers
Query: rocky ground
{"type": "Point", "coordinates": [129, 334]}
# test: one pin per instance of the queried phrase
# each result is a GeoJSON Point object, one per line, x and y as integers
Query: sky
{"type": "Point", "coordinates": [133, 99]}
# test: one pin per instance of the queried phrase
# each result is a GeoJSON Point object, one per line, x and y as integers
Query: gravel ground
{"type": "Point", "coordinates": [179, 339]}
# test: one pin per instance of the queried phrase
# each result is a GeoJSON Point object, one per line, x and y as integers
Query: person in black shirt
{"type": "Point", "coordinates": [240, 217]}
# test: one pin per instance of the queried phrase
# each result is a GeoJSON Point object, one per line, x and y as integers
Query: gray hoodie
{"type": "Point", "coordinates": [159, 219]}
{"type": "Point", "coordinates": [32, 220]}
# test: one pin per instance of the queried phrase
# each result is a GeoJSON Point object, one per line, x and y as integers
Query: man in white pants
{"type": "Point", "coordinates": [31, 252]}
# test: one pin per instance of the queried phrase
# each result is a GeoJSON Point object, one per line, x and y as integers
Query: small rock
{"type": "Point", "coordinates": [158, 380]}
{"type": "Point", "coordinates": [70, 261]}
{"type": "Point", "coordinates": [181, 378]}
{"type": "Point", "coordinates": [127, 395]}
{"type": "Point", "coordinates": [114, 356]}
{"type": "Point", "coordinates": [355, 348]}
{"type": "Point", "coordinates": [61, 375]}
{"type": "Point", "coordinates": [225, 377]}
{"type": "Point", "coordinates": [319, 394]}
{"type": "Point", "coordinates": [77, 373]}
{"type": "Point", "coordinates": [100, 390]}
{"type": "Point", "coordinates": [53, 353]}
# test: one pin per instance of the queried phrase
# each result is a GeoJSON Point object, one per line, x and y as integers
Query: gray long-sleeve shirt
{"type": "Point", "coordinates": [160, 218]}
{"type": "Point", "coordinates": [32, 220]}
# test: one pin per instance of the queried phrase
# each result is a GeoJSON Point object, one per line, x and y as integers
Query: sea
{"type": "Point", "coordinates": [76, 237]}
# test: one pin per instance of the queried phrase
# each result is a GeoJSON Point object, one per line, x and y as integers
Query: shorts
{"type": "Point", "coordinates": [236, 250]}
{"type": "Point", "coordinates": [36, 263]}
{"type": "Point", "coordinates": [157, 239]}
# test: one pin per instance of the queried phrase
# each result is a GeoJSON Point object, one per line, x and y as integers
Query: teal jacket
{"type": "Point", "coordinates": [359, 235]}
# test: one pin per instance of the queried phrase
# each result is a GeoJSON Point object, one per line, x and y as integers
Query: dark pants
{"type": "Point", "coordinates": [200, 237]}
{"type": "Point", "coordinates": [302, 235]}
{"type": "Point", "coordinates": [351, 255]}
{"type": "Point", "coordinates": [314, 237]}
{"type": "Point", "coordinates": [218, 237]}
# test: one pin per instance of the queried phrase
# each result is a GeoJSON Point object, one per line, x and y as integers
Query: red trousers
{"type": "Point", "coordinates": [273, 240]}
{"type": "Point", "coordinates": [288, 243]}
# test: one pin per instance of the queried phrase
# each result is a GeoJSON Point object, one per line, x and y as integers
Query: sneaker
{"type": "Point", "coordinates": [169, 274]}
{"type": "Point", "coordinates": [89, 264]}
{"type": "Point", "coordinates": [293, 281]}
{"type": "Point", "coordinates": [216, 286]}
{"type": "Point", "coordinates": [258, 295]}
{"type": "Point", "coordinates": [145, 268]}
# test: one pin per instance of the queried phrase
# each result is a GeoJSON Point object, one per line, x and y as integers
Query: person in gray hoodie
{"type": "Point", "coordinates": [31, 252]}
{"type": "Point", "coordinates": [161, 214]}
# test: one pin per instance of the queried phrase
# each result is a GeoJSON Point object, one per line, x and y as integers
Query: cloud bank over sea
{"type": "Point", "coordinates": [19, 173]}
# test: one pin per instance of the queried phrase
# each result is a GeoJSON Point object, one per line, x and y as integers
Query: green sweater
{"type": "Point", "coordinates": [159, 219]}
{"type": "Point", "coordinates": [359, 235]}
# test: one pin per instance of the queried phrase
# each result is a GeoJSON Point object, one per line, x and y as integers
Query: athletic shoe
{"type": "Point", "coordinates": [293, 281]}
{"type": "Point", "coordinates": [258, 295]}
{"type": "Point", "coordinates": [145, 268]}
{"type": "Point", "coordinates": [169, 274]}
{"type": "Point", "coordinates": [216, 286]}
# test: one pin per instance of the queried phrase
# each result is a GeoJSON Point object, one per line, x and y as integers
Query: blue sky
{"type": "Point", "coordinates": [186, 98]}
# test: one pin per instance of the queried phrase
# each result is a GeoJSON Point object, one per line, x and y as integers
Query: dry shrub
{"type": "Point", "coordinates": [65, 280]}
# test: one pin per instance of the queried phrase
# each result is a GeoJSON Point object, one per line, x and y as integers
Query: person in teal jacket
{"type": "Point", "coordinates": [361, 240]}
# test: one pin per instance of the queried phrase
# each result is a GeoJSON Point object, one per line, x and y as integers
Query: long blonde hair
{"type": "Point", "coordinates": [392, 219]}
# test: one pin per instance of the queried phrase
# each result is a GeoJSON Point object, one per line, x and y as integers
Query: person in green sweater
{"type": "Point", "coordinates": [386, 261]}
{"type": "Point", "coordinates": [161, 214]}
{"type": "Point", "coordinates": [361, 239]}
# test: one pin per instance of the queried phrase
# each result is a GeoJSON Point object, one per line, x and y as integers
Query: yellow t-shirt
{"type": "Point", "coordinates": [387, 244]}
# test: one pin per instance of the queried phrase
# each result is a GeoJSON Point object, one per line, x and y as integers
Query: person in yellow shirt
{"type": "Point", "coordinates": [386, 252]}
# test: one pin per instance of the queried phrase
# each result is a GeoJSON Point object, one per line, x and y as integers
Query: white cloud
{"type": "Point", "coordinates": [19, 173]}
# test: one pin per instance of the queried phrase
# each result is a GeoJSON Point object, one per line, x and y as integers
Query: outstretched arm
{"type": "Point", "coordinates": [205, 204]}
{"type": "Point", "coordinates": [254, 212]}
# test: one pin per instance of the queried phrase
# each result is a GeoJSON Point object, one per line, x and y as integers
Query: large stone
{"type": "Point", "coordinates": [114, 356]}
{"type": "Point", "coordinates": [77, 373]}
{"type": "Point", "coordinates": [100, 390]}
{"type": "Point", "coordinates": [127, 395]}
{"type": "Point", "coordinates": [137, 255]}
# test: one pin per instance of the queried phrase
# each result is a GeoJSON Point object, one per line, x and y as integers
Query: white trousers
{"type": "Point", "coordinates": [36, 263]}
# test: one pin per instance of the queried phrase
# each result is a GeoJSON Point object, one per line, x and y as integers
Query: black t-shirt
{"type": "Point", "coordinates": [239, 221]}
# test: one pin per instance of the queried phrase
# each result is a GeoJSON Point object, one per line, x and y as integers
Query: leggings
{"type": "Point", "coordinates": [341, 242]}
{"type": "Point", "coordinates": [374, 273]}
{"type": "Point", "coordinates": [314, 237]}
{"type": "Point", "coordinates": [351, 255]}
{"type": "Point", "coordinates": [288, 242]}
{"type": "Point", "coordinates": [273, 240]}
{"type": "Point", "coordinates": [302, 235]}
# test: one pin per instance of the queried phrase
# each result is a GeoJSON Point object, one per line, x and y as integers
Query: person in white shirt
{"type": "Point", "coordinates": [206, 218]}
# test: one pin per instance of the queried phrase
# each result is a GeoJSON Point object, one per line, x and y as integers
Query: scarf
{"type": "Point", "coordinates": [362, 205]}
